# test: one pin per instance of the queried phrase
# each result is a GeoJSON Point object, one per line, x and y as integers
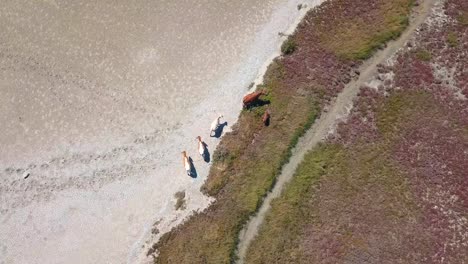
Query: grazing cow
{"type": "Point", "coordinates": [202, 148]}
{"type": "Point", "coordinates": [215, 125]}
{"type": "Point", "coordinates": [266, 117]}
{"type": "Point", "coordinates": [187, 163]}
{"type": "Point", "coordinates": [252, 97]}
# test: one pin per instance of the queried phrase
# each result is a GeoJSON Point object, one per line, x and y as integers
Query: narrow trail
{"type": "Point", "coordinates": [326, 123]}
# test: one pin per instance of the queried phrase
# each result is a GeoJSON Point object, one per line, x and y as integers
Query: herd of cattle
{"type": "Point", "coordinates": [248, 101]}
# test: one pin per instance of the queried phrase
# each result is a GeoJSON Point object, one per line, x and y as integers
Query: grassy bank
{"type": "Point", "coordinates": [249, 158]}
{"type": "Point", "coordinates": [340, 196]}
{"type": "Point", "coordinates": [357, 37]}
{"type": "Point", "coordinates": [390, 187]}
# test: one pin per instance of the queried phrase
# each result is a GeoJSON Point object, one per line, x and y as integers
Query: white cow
{"type": "Point", "coordinates": [215, 124]}
{"type": "Point", "coordinates": [201, 146]}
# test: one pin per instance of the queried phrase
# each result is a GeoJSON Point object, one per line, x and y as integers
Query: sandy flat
{"type": "Point", "coordinates": [97, 100]}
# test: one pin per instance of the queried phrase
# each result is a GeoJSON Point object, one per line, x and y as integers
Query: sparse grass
{"type": "Point", "coordinates": [452, 39]}
{"type": "Point", "coordinates": [423, 55]}
{"type": "Point", "coordinates": [180, 203]}
{"type": "Point", "coordinates": [288, 46]}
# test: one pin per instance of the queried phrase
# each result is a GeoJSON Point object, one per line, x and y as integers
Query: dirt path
{"type": "Point", "coordinates": [327, 122]}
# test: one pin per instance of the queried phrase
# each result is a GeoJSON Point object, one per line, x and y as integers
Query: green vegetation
{"type": "Point", "coordinates": [359, 38]}
{"type": "Point", "coordinates": [399, 109]}
{"type": "Point", "coordinates": [452, 39]}
{"type": "Point", "coordinates": [238, 153]}
{"type": "Point", "coordinates": [390, 114]}
{"type": "Point", "coordinates": [277, 242]}
{"type": "Point", "coordinates": [463, 18]}
{"type": "Point", "coordinates": [288, 46]}
{"type": "Point", "coordinates": [423, 55]}
{"type": "Point", "coordinates": [344, 197]}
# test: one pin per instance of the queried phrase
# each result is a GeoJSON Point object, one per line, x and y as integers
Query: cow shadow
{"type": "Point", "coordinates": [206, 155]}
{"type": "Point", "coordinates": [219, 130]}
{"type": "Point", "coordinates": [193, 170]}
{"type": "Point", "coordinates": [257, 103]}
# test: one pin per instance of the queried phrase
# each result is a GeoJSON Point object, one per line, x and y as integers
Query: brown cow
{"type": "Point", "coordinates": [187, 163]}
{"type": "Point", "coordinates": [266, 118]}
{"type": "Point", "coordinates": [252, 97]}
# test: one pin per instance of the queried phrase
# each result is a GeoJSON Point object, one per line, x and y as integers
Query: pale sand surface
{"type": "Point", "coordinates": [98, 99]}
